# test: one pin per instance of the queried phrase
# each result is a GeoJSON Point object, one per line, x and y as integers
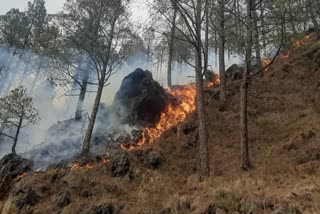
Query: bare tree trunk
{"type": "Point", "coordinates": [244, 93]}
{"type": "Point", "coordinates": [4, 73]}
{"type": "Point", "coordinates": [204, 170]}
{"type": "Point", "coordinates": [206, 43]}
{"type": "Point", "coordinates": [13, 149]}
{"type": "Point", "coordinates": [13, 75]}
{"type": "Point", "coordinates": [312, 14]}
{"type": "Point", "coordinates": [36, 76]}
{"type": "Point", "coordinates": [82, 95]}
{"type": "Point", "coordinates": [222, 66]}
{"type": "Point", "coordinates": [87, 139]}
{"type": "Point", "coordinates": [171, 40]}
{"type": "Point", "coordinates": [264, 40]}
{"type": "Point", "coordinates": [292, 21]}
{"type": "Point", "coordinates": [25, 71]}
{"type": "Point", "coordinates": [257, 42]}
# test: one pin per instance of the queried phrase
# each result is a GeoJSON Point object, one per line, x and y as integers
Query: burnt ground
{"type": "Point", "coordinates": [284, 137]}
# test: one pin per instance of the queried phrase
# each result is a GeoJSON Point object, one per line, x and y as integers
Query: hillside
{"type": "Point", "coordinates": [284, 137]}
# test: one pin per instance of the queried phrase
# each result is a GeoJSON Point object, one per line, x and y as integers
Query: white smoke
{"type": "Point", "coordinates": [52, 141]}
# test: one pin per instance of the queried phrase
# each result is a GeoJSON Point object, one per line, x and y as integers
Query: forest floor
{"type": "Point", "coordinates": [284, 139]}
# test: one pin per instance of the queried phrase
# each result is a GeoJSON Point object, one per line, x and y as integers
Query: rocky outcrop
{"type": "Point", "coordinates": [140, 99]}
{"type": "Point", "coordinates": [149, 158]}
{"type": "Point", "coordinates": [103, 209]}
{"type": "Point", "coordinates": [235, 72]}
{"type": "Point", "coordinates": [11, 166]}
{"type": "Point", "coordinates": [120, 166]}
{"type": "Point", "coordinates": [25, 196]}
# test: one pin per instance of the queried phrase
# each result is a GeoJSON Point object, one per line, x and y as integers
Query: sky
{"type": "Point", "coordinates": [139, 8]}
{"type": "Point", "coordinates": [52, 5]}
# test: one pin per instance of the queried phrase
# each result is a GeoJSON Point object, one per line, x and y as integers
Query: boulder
{"type": "Point", "coordinates": [120, 166]}
{"type": "Point", "coordinates": [25, 196]}
{"type": "Point", "coordinates": [63, 198]}
{"type": "Point", "coordinates": [210, 75]}
{"type": "Point", "coordinates": [103, 209]}
{"type": "Point", "coordinates": [140, 99]}
{"type": "Point", "coordinates": [235, 72]}
{"type": "Point", "coordinates": [149, 158]}
{"type": "Point", "coordinates": [12, 166]}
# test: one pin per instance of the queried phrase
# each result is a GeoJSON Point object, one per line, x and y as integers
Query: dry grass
{"type": "Point", "coordinates": [282, 109]}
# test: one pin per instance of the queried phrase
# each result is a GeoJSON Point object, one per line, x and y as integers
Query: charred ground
{"type": "Point", "coordinates": [284, 118]}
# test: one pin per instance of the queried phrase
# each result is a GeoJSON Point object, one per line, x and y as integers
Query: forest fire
{"type": "Point", "coordinates": [266, 62]}
{"type": "Point", "coordinates": [296, 44]}
{"type": "Point", "coordinates": [216, 81]}
{"type": "Point", "coordinates": [21, 176]}
{"type": "Point", "coordinates": [173, 115]}
{"type": "Point", "coordinates": [89, 165]}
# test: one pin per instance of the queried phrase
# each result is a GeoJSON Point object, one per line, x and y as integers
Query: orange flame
{"type": "Point", "coordinates": [90, 165]}
{"type": "Point", "coordinates": [296, 44]}
{"type": "Point", "coordinates": [21, 176]}
{"type": "Point", "coordinates": [266, 62]}
{"type": "Point", "coordinates": [173, 114]}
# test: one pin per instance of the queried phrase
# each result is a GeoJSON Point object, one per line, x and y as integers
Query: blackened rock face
{"type": "Point", "coordinates": [140, 99]}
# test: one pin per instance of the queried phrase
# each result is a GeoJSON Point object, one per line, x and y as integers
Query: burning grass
{"type": "Point", "coordinates": [175, 113]}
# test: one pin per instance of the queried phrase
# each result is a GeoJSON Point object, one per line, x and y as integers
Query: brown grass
{"type": "Point", "coordinates": [283, 107]}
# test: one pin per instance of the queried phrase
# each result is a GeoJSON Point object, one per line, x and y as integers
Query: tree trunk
{"type": "Point", "coordinates": [5, 72]}
{"type": "Point", "coordinates": [36, 76]}
{"type": "Point", "coordinates": [13, 75]}
{"type": "Point", "coordinates": [313, 17]}
{"type": "Point", "coordinates": [222, 66]}
{"type": "Point", "coordinates": [292, 21]}
{"type": "Point", "coordinates": [257, 42]}
{"type": "Point", "coordinates": [82, 95]}
{"type": "Point", "coordinates": [25, 71]}
{"type": "Point", "coordinates": [264, 40]}
{"type": "Point", "coordinates": [206, 43]}
{"type": "Point", "coordinates": [13, 149]}
{"type": "Point", "coordinates": [171, 40]}
{"type": "Point", "coordinates": [87, 139]}
{"type": "Point", "coordinates": [244, 93]}
{"type": "Point", "coordinates": [204, 170]}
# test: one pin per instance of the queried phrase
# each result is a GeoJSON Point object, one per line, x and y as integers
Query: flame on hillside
{"type": "Point", "coordinates": [174, 113]}
{"type": "Point", "coordinates": [266, 62]}
{"type": "Point", "coordinates": [89, 165]}
{"type": "Point", "coordinates": [21, 176]}
{"type": "Point", "coordinates": [296, 44]}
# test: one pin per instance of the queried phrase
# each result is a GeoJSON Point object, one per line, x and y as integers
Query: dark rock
{"type": "Point", "coordinates": [211, 76]}
{"type": "Point", "coordinates": [165, 211]}
{"type": "Point", "coordinates": [103, 209]}
{"type": "Point", "coordinates": [183, 204]}
{"type": "Point", "coordinates": [12, 166]}
{"type": "Point", "coordinates": [25, 196]}
{"type": "Point", "coordinates": [140, 99]}
{"type": "Point", "coordinates": [187, 128]}
{"type": "Point", "coordinates": [234, 72]}
{"type": "Point", "coordinates": [308, 135]}
{"type": "Point", "coordinates": [211, 209]}
{"type": "Point", "coordinates": [120, 166]}
{"type": "Point", "coordinates": [63, 198]}
{"type": "Point", "coordinates": [150, 158]}
{"type": "Point", "coordinates": [309, 155]}
{"type": "Point", "coordinates": [192, 141]}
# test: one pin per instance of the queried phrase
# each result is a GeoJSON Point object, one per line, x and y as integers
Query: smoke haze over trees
{"type": "Point", "coordinates": [73, 60]}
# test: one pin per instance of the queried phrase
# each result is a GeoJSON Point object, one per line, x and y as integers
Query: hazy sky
{"type": "Point", "coordinates": [139, 9]}
{"type": "Point", "coordinates": [51, 5]}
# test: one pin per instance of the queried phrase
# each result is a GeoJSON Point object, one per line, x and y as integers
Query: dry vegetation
{"type": "Point", "coordinates": [284, 118]}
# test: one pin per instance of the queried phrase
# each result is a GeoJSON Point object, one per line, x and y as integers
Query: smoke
{"type": "Point", "coordinates": [58, 137]}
